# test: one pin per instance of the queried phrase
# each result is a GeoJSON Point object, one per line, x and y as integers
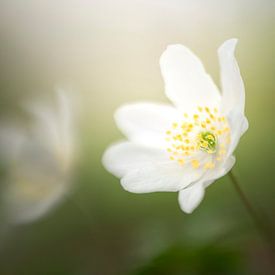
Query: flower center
{"type": "Point", "coordinates": [207, 142]}
{"type": "Point", "coordinates": [202, 132]}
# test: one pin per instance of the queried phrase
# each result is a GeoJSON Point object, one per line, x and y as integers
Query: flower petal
{"type": "Point", "coordinates": [26, 200]}
{"type": "Point", "coordinates": [187, 84]}
{"type": "Point", "coordinates": [233, 95]}
{"type": "Point", "coordinates": [238, 125]}
{"type": "Point", "coordinates": [123, 157]}
{"type": "Point", "coordinates": [219, 172]}
{"type": "Point", "coordinates": [54, 127]}
{"type": "Point", "coordinates": [160, 177]}
{"type": "Point", "coordinates": [189, 198]}
{"type": "Point", "coordinates": [35, 183]}
{"type": "Point", "coordinates": [12, 140]}
{"type": "Point", "coordinates": [145, 123]}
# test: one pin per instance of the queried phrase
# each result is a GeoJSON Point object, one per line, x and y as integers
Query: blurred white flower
{"type": "Point", "coordinates": [187, 146]}
{"type": "Point", "coordinates": [39, 161]}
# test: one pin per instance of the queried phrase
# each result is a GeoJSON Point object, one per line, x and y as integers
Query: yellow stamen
{"type": "Point", "coordinates": [195, 163]}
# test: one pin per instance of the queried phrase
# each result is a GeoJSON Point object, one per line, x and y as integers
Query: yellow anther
{"type": "Point", "coordinates": [172, 158]}
{"type": "Point", "coordinates": [203, 125]}
{"type": "Point", "coordinates": [187, 141]}
{"type": "Point", "coordinates": [181, 161]}
{"type": "Point", "coordinates": [167, 139]}
{"type": "Point", "coordinates": [212, 116]}
{"type": "Point", "coordinates": [169, 150]}
{"type": "Point", "coordinates": [168, 132]}
{"type": "Point", "coordinates": [185, 115]}
{"type": "Point", "coordinates": [196, 116]}
{"type": "Point", "coordinates": [209, 165]}
{"type": "Point", "coordinates": [208, 121]}
{"type": "Point", "coordinates": [175, 125]}
{"type": "Point", "coordinates": [213, 128]}
{"type": "Point", "coordinates": [195, 163]}
{"type": "Point", "coordinates": [200, 109]}
{"type": "Point", "coordinates": [215, 110]}
{"type": "Point", "coordinates": [207, 109]}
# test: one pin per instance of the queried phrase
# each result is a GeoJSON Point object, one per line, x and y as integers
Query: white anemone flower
{"type": "Point", "coordinates": [186, 146]}
{"type": "Point", "coordinates": [39, 161]}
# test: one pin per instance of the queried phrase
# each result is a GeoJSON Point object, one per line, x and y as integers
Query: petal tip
{"type": "Point", "coordinates": [228, 46]}
{"type": "Point", "coordinates": [190, 198]}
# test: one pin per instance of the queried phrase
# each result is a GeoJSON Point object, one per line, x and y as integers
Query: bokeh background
{"type": "Point", "coordinates": [107, 52]}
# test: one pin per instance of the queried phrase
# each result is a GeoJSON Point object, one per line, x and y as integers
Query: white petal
{"type": "Point", "coordinates": [11, 141]}
{"type": "Point", "coordinates": [46, 126]}
{"type": "Point", "coordinates": [187, 84]}
{"type": "Point", "coordinates": [233, 95]}
{"type": "Point", "coordinates": [65, 112]}
{"type": "Point", "coordinates": [26, 200]}
{"type": "Point", "coordinates": [219, 172]}
{"type": "Point", "coordinates": [54, 128]}
{"type": "Point", "coordinates": [123, 157]}
{"type": "Point", "coordinates": [190, 197]}
{"type": "Point", "coordinates": [146, 123]}
{"type": "Point", "coordinates": [160, 177]}
{"type": "Point", "coordinates": [238, 125]}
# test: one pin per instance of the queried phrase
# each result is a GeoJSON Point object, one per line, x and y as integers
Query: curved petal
{"type": "Point", "coordinates": [233, 95]}
{"type": "Point", "coordinates": [125, 156]}
{"type": "Point", "coordinates": [222, 170]}
{"type": "Point", "coordinates": [145, 123]}
{"type": "Point", "coordinates": [160, 177]}
{"type": "Point", "coordinates": [238, 125]}
{"type": "Point", "coordinates": [54, 127]}
{"type": "Point", "coordinates": [12, 140]}
{"type": "Point", "coordinates": [187, 84]}
{"type": "Point", "coordinates": [26, 200]}
{"type": "Point", "coordinates": [189, 198]}
{"type": "Point", "coordinates": [35, 184]}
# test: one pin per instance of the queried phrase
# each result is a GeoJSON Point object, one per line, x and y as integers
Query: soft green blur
{"type": "Point", "coordinates": [108, 53]}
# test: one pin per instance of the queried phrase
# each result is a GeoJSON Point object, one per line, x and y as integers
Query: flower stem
{"type": "Point", "coordinates": [263, 228]}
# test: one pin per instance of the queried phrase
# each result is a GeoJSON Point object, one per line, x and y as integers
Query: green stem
{"type": "Point", "coordinates": [265, 230]}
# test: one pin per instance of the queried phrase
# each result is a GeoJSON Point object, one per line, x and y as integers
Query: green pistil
{"type": "Point", "coordinates": [207, 142]}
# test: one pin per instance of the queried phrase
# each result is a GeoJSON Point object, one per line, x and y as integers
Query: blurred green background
{"type": "Point", "coordinates": [108, 53]}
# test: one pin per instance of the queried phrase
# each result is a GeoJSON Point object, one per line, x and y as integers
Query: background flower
{"type": "Point", "coordinates": [39, 161]}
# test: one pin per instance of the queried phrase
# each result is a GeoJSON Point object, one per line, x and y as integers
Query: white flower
{"type": "Point", "coordinates": [39, 161]}
{"type": "Point", "coordinates": [186, 146]}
